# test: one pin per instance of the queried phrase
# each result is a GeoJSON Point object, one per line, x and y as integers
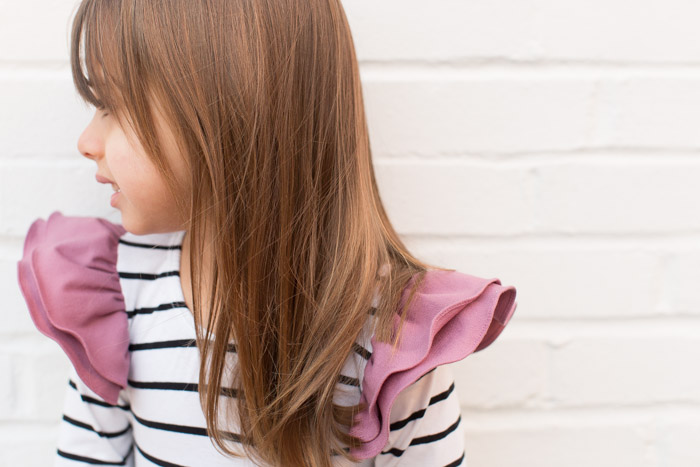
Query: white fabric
{"type": "Point", "coordinates": [158, 421]}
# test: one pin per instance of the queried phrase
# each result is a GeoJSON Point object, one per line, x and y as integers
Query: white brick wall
{"type": "Point", "coordinates": [550, 144]}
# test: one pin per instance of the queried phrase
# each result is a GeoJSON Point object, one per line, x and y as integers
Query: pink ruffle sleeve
{"type": "Point", "coordinates": [452, 315]}
{"type": "Point", "coordinates": [69, 279]}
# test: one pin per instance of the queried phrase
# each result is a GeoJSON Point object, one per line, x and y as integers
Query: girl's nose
{"type": "Point", "coordinates": [90, 142]}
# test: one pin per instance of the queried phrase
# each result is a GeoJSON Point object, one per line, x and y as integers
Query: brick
{"type": "Point", "coordinates": [66, 186]}
{"type": "Point", "coordinates": [610, 369]}
{"type": "Point", "coordinates": [617, 197]}
{"type": "Point", "coordinates": [16, 319]}
{"type": "Point", "coordinates": [529, 31]}
{"type": "Point", "coordinates": [37, 30]}
{"type": "Point", "coordinates": [554, 439]}
{"type": "Point", "coordinates": [40, 380]}
{"type": "Point", "coordinates": [44, 116]}
{"type": "Point", "coordinates": [445, 198]}
{"type": "Point", "coordinates": [431, 113]}
{"type": "Point", "coordinates": [511, 372]}
{"type": "Point", "coordinates": [28, 444]}
{"type": "Point", "coordinates": [558, 280]}
{"type": "Point", "coordinates": [678, 433]}
{"type": "Point", "coordinates": [679, 283]}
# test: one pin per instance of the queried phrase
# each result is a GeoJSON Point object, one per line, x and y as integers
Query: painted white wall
{"type": "Point", "coordinates": [551, 144]}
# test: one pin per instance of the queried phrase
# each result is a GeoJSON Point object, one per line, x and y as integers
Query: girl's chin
{"type": "Point", "coordinates": [135, 226]}
{"type": "Point", "coordinates": [136, 230]}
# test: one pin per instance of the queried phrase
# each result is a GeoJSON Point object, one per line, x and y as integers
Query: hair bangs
{"type": "Point", "coordinates": [96, 69]}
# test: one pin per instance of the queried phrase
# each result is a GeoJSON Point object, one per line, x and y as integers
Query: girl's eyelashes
{"type": "Point", "coordinates": [103, 108]}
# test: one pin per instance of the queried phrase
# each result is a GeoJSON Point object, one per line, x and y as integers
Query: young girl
{"type": "Point", "coordinates": [255, 306]}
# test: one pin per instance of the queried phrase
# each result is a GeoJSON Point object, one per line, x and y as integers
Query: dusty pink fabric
{"type": "Point", "coordinates": [452, 315]}
{"type": "Point", "coordinates": [69, 279]}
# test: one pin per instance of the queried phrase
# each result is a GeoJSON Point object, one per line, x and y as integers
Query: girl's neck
{"type": "Point", "coordinates": [186, 277]}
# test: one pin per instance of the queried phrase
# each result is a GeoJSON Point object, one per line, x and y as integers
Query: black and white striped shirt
{"type": "Point", "coordinates": [158, 419]}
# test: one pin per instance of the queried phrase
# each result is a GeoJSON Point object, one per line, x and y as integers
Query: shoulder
{"type": "Point", "coordinates": [68, 277]}
{"type": "Point", "coordinates": [452, 314]}
{"type": "Point", "coordinates": [425, 423]}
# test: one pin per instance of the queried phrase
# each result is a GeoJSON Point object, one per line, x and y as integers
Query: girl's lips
{"type": "Point", "coordinates": [114, 198]}
{"type": "Point", "coordinates": [101, 179]}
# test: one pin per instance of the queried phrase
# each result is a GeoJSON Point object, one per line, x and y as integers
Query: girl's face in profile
{"type": "Point", "coordinates": [144, 201]}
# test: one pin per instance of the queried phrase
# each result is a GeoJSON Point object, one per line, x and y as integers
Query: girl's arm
{"type": "Point", "coordinates": [425, 424]}
{"type": "Point", "coordinates": [93, 431]}
{"type": "Point", "coordinates": [69, 279]}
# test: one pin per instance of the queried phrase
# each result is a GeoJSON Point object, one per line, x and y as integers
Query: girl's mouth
{"type": "Point", "coordinates": [115, 197]}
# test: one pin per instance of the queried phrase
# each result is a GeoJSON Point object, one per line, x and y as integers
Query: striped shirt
{"type": "Point", "coordinates": [158, 419]}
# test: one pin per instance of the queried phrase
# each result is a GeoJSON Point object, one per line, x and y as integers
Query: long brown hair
{"type": "Point", "coordinates": [266, 100]}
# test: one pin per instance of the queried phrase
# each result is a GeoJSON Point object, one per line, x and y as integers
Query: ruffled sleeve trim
{"type": "Point", "coordinates": [452, 315]}
{"type": "Point", "coordinates": [69, 279]}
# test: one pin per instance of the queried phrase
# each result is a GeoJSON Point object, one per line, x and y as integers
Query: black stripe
{"type": "Point", "coordinates": [436, 436]}
{"type": "Point", "coordinates": [402, 423]}
{"type": "Point", "coordinates": [87, 426]}
{"type": "Point", "coordinates": [92, 400]}
{"type": "Point", "coordinates": [457, 462]}
{"type": "Point", "coordinates": [348, 380]}
{"type": "Point", "coordinates": [194, 387]}
{"type": "Point", "coordinates": [150, 246]}
{"type": "Point", "coordinates": [190, 430]}
{"type": "Point", "coordinates": [172, 344]}
{"type": "Point", "coordinates": [146, 275]}
{"type": "Point", "coordinates": [177, 386]}
{"type": "Point", "coordinates": [426, 374]}
{"type": "Point", "coordinates": [419, 413]}
{"type": "Point", "coordinates": [161, 307]}
{"type": "Point", "coordinates": [164, 344]}
{"type": "Point", "coordinates": [90, 460]}
{"type": "Point", "coordinates": [396, 452]}
{"type": "Point", "coordinates": [443, 395]}
{"type": "Point", "coordinates": [426, 439]}
{"type": "Point", "coordinates": [155, 460]}
{"type": "Point", "coordinates": [364, 353]}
